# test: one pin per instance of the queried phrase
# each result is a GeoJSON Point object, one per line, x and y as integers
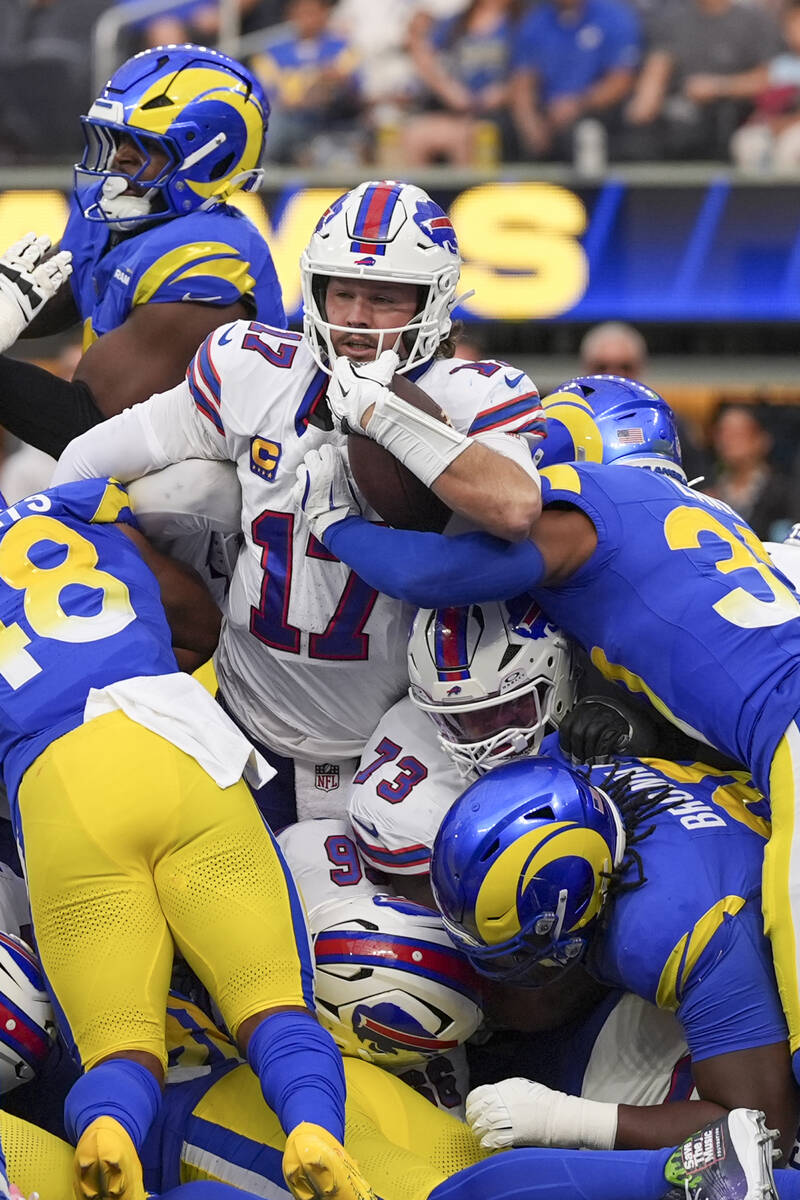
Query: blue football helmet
{"type": "Point", "coordinates": [521, 866]}
{"type": "Point", "coordinates": [204, 112]}
{"type": "Point", "coordinates": [607, 419]}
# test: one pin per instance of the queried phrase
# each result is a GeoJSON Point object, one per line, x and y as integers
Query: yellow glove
{"type": "Point", "coordinates": [315, 1165]}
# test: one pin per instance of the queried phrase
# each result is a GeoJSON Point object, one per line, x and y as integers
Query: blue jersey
{"type": "Point", "coordinates": [570, 51]}
{"type": "Point", "coordinates": [690, 938]}
{"type": "Point", "coordinates": [477, 59]}
{"type": "Point", "coordinates": [681, 602]}
{"type": "Point", "coordinates": [79, 609]}
{"type": "Point", "coordinates": [290, 68]}
{"type": "Point", "coordinates": [215, 258]}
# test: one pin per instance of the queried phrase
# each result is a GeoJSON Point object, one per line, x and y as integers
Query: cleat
{"type": "Point", "coordinates": [106, 1165]}
{"type": "Point", "coordinates": [729, 1159]}
{"type": "Point", "coordinates": [317, 1167]}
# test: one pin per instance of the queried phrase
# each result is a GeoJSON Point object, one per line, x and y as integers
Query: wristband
{"type": "Point", "coordinates": [584, 1124]}
{"type": "Point", "coordinates": [419, 441]}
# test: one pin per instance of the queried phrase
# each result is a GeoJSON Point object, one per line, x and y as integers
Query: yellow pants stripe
{"type": "Point", "coordinates": [781, 882]}
{"type": "Point", "coordinates": [404, 1145]}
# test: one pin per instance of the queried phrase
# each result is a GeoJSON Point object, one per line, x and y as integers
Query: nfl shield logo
{"type": "Point", "coordinates": [326, 777]}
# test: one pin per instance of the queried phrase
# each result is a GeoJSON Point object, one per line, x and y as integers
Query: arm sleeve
{"type": "Point", "coordinates": [431, 571]}
{"type": "Point", "coordinates": [513, 446]}
{"type": "Point", "coordinates": [190, 496]}
{"type": "Point", "coordinates": [41, 409]}
{"type": "Point", "coordinates": [144, 438]}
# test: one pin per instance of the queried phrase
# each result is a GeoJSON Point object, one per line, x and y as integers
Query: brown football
{"type": "Point", "coordinates": [391, 489]}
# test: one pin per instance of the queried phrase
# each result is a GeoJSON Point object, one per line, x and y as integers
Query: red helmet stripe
{"type": "Point", "coordinates": [447, 964]}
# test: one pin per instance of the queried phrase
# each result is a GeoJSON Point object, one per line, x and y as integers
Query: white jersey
{"type": "Point", "coordinates": [325, 864]}
{"type": "Point", "coordinates": [14, 910]}
{"type": "Point", "coordinates": [404, 785]}
{"type": "Point", "coordinates": [309, 655]}
{"type": "Point", "coordinates": [639, 1056]}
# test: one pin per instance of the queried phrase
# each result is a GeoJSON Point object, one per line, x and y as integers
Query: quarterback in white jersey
{"type": "Point", "coordinates": [309, 655]}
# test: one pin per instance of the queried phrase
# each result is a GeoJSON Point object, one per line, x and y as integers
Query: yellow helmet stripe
{"type": "Point", "coordinates": [187, 86]}
{"type": "Point", "coordinates": [579, 423]}
{"type": "Point", "coordinates": [556, 398]}
{"type": "Point", "coordinates": [496, 916]}
{"type": "Point", "coordinates": [204, 83]}
{"type": "Point", "coordinates": [577, 842]}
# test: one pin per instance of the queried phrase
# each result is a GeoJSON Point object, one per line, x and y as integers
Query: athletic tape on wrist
{"type": "Point", "coordinates": [422, 443]}
{"type": "Point", "coordinates": [582, 1124]}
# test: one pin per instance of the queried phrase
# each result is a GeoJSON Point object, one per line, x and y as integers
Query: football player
{"type": "Point", "coordinates": [491, 676]}
{"type": "Point", "coordinates": [217, 1128]}
{"type": "Point", "coordinates": [674, 917]}
{"type": "Point", "coordinates": [308, 655]}
{"type": "Point", "coordinates": [92, 706]}
{"type": "Point", "coordinates": [492, 681]}
{"type": "Point", "coordinates": [388, 983]}
{"type": "Point", "coordinates": [159, 256]}
{"type": "Point", "coordinates": [668, 591]}
{"type": "Point", "coordinates": [409, 1151]}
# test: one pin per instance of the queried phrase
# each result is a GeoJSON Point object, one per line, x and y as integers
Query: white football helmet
{"type": "Point", "coordinates": [390, 231]}
{"type": "Point", "coordinates": [494, 677]}
{"type": "Point", "coordinates": [390, 986]}
{"type": "Point", "coordinates": [27, 1022]}
{"type": "Point", "coordinates": [786, 556]}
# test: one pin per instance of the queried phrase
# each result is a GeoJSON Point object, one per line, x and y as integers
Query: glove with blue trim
{"type": "Point", "coordinates": [323, 492]}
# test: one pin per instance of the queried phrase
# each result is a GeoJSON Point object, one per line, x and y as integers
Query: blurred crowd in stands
{"type": "Point", "coordinates": [466, 82]}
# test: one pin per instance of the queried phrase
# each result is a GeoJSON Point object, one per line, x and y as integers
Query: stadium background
{"type": "Point", "coordinates": [702, 256]}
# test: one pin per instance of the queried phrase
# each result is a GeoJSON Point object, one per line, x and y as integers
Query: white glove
{"type": "Point", "coordinates": [26, 283]}
{"type": "Point", "coordinates": [519, 1112]}
{"type": "Point", "coordinates": [354, 386]}
{"type": "Point", "coordinates": [323, 490]}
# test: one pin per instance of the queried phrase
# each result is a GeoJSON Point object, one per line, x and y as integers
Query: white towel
{"type": "Point", "coordinates": [180, 709]}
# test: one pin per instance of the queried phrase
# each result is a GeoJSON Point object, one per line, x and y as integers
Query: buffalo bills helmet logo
{"type": "Point", "coordinates": [436, 225]}
{"type": "Point", "coordinates": [386, 1028]}
{"type": "Point", "coordinates": [331, 212]}
{"type": "Point", "coordinates": [527, 619]}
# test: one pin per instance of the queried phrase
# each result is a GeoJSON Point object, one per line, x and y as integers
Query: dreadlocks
{"type": "Point", "coordinates": [635, 806]}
